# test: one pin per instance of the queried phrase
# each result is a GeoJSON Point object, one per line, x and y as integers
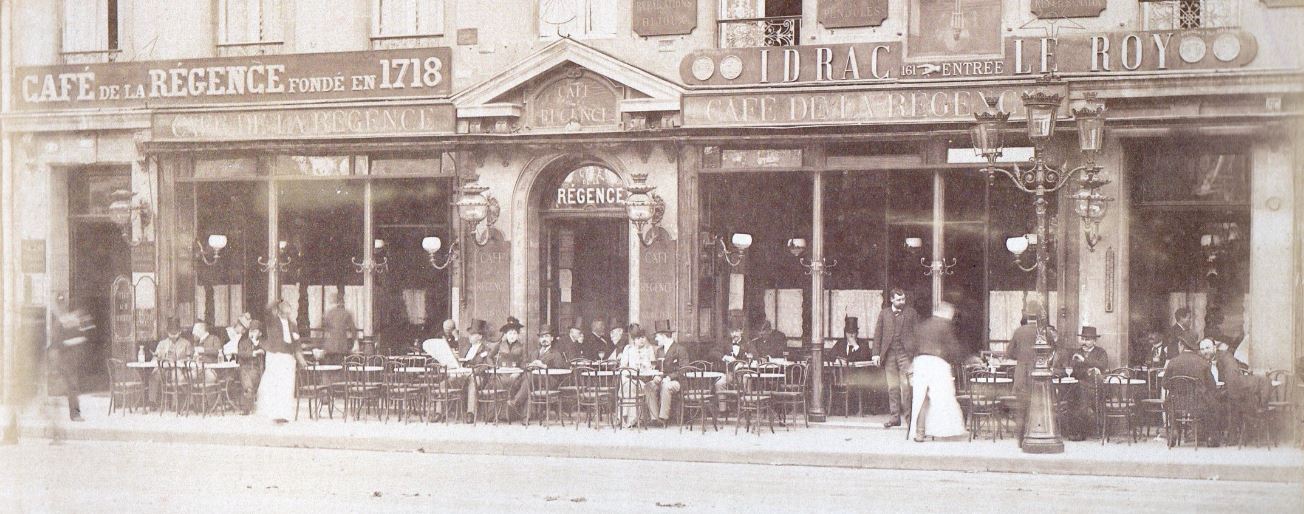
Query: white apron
{"type": "Point", "coordinates": [933, 381]}
{"type": "Point", "coordinates": [276, 391]}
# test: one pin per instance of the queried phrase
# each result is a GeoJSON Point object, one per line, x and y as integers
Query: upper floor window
{"type": "Point", "coordinates": [249, 21]}
{"type": "Point", "coordinates": [1190, 14]}
{"type": "Point", "coordinates": [745, 23]}
{"type": "Point", "coordinates": [90, 25]}
{"type": "Point", "coordinates": [399, 18]}
{"type": "Point", "coordinates": [580, 19]}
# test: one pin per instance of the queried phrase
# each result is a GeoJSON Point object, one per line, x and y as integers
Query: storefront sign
{"type": "Point", "coordinates": [837, 14]}
{"type": "Point", "coordinates": [663, 17]}
{"type": "Point", "coordinates": [820, 63]}
{"type": "Point", "coordinates": [656, 278]}
{"type": "Point", "coordinates": [843, 107]}
{"type": "Point", "coordinates": [1110, 52]}
{"type": "Point", "coordinates": [421, 72]}
{"type": "Point", "coordinates": [590, 187]}
{"type": "Point", "coordinates": [33, 252]}
{"type": "Point", "coordinates": [573, 102]}
{"type": "Point", "coordinates": [487, 289]}
{"type": "Point", "coordinates": [123, 314]}
{"type": "Point", "coordinates": [301, 123]}
{"type": "Point", "coordinates": [1050, 9]}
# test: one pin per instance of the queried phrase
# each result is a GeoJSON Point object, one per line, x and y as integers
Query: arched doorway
{"type": "Point", "coordinates": [583, 259]}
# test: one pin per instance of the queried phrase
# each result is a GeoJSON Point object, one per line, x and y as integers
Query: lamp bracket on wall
{"type": "Point", "coordinates": [938, 267]}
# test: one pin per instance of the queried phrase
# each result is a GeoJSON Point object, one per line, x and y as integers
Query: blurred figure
{"type": "Point", "coordinates": [64, 351]}
{"type": "Point", "coordinates": [339, 329]}
{"type": "Point", "coordinates": [935, 411]}
{"type": "Point", "coordinates": [276, 388]}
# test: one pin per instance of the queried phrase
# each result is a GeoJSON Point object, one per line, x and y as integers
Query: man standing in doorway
{"type": "Point", "coordinates": [1181, 333]}
{"type": "Point", "coordinates": [894, 335]}
{"type": "Point", "coordinates": [340, 328]}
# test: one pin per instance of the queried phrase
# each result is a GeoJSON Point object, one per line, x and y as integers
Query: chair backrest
{"type": "Point", "coordinates": [169, 373]}
{"type": "Point", "coordinates": [193, 371]}
{"type": "Point", "coordinates": [702, 365]}
{"type": "Point", "coordinates": [1183, 395]}
{"type": "Point", "coordinates": [770, 368]}
{"type": "Point", "coordinates": [117, 371]}
{"type": "Point", "coordinates": [1282, 384]}
{"type": "Point", "coordinates": [837, 373]}
{"type": "Point", "coordinates": [1121, 372]}
{"type": "Point", "coordinates": [581, 363]}
{"type": "Point", "coordinates": [484, 376]}
{"type": "Point", "coordinates": [1154, 383]}
{"type": "Point", "coordinates": [586, 380]}
{"type": "Point", "coordinates": [606, 365]}
{"type": "Point", "coordinates": [694, 383]}
{"type": "Point", "coordinates": [982, 384]}
{"type": "Point", "coordinates": [749, 381]}
{"type": "Point", "coordinates": [1115, 393]}
{"type": "Point", "coordinates": [539, 379]}
{"type": "Point", "coordinates": [629, 385]}
{"type": "Point", "coordinates": [794, 376]}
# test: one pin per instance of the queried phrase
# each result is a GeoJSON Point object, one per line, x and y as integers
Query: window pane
{"type": "Point", "coordinates": [411, 296]}
{"type": "Point", "coordinates": [233, 283]}
{"type": "Point", "coordinates": [312, 165]}
{"type": "Point", "coordinates": [430, 17]}
{"type": "Point", "coordinates": [321, 224]}
{"type": "Point", "coordinates": [1190, 173]}
{"type": "Point", "coordinates": [226, 168]}
{"type": "Point", "coordinates": [405, 166]}
{"type": "Point", "coordinates": [85, 26]}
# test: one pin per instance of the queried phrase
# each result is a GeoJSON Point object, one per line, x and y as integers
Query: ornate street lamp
{"type": "Point", "coordinates": [644, 208]}
{"type": "Point", "coordinates": [474, 206]}
{"type": "Point", "coordinates": [1041, 434]}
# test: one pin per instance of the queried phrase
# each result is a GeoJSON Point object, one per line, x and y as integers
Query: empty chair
{"type": "Point", "coordinates": [402, 391]}
{"type": "Point", "coordinates": [1116, 403]}
{"type": "Point", "coordinates": [835, 386]}
{"type": "Point", "coordinates": [492, 392]}
{"type": "Point", "coordinates": [1280, 405]}
{"type": "Point", "coordinates": [696, 396]}
{"type": "Point", "coordinates": [124, 391]}
{"type": "Point", "coordinates": [362, 384]}
{"type": "Point", "coordinates": [172, 389]}
{"type": "Point", "coordinates": [790, 396]}
{"type": "Point", "coordinates": [1151, 406]}
{"type": "Point", "coordinates": [543, 393]}
{"type": "Point", "coordinates": [984, 404]}
{"type": "Point", "coordinates": [1182, 409]}
{"type": "Point", "coordinates": [442, 395]}
{"type": "Point", "coordinates": [629, 397]}
{"type": "Point", "coordinates": [593, 396]}
{"type": "Point", "coordinates": [753, 401]}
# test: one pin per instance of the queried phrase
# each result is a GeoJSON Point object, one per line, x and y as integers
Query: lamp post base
{"type": "Point", "coordinates": [1041, 435]}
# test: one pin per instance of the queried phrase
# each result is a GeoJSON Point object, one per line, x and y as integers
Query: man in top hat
{"type": "Point", "coordinates": [1022, 348]}
{"type": "Point", "coordinates": [851, 347]}
{"type": "Point", "coordinates": [1089, 359]}
{"type": "Point", "coordinates": [572, 344]}
{"type": "Point", "coordinates": [894, 335]}
{"type": "Point", "coordinates": [661, 390]}
{"type": "Point", "coordinates": [174, 347]}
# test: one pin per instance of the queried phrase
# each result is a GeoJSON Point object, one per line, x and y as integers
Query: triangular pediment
{"type": "Point", "coordinates": [507, 93]}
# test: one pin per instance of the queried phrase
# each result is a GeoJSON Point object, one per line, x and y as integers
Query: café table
{"type": "Point", "coordinates": [712, 375]}
{"type": "Point", "coordinates": [365, 368]}
{"type": "Point", "coordinates": [146, 371]}
{"type": "Point", "coordinates": [992, 380]}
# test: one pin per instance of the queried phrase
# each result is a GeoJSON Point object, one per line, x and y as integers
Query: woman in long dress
{"type": "Point", "coordinates": [641, 356]}
{"type": "Point", "coordinates": [934, 409]}
{"type": "Point", "coordinates": [276, 389]}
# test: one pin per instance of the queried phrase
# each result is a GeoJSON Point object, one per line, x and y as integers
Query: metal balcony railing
{"type": "Point", "coordinates": [771, 31]}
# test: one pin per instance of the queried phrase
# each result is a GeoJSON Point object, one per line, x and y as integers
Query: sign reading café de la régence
{"type": "Point", "coordinates": [408, 73]}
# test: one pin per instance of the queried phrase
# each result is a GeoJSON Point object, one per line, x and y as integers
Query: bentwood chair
{"type": "Point", "coordinates": [697, 396]}
{"type": "Point", "coordinates": [753, 401]}
{"type": "Point", "coordinates": [543, 392]}
{"type": "Point", "coordinates": [362, 384]}
{"type": "Point", "coordinates": [791, 393]}
{"type": "Point", "coordinates": [443, 394]}
{"type": "Point", "coordinates": [1121, 372]}
{"type": "Point", "coordinates": [202, 387]}
{"type": "Point", "coordinates": [1151, 407]}
{"type": "Point", "coordinates": [172, 390]}
{"type": "Point", "coordinates": [124, 393]}
{"type": "Point", "coordinates": [984, 404]}
{"type": "Point", "coordinates": [594, 395]}
{"type": "Point", "coordinates": [629, 396]}
{"type": "Point", "coordinates": [1116, 403]}
{"type": "Point", "coordinates": [492, 391]}
{"type": "Point", "coordinates": [402, 392]}
{"type": "Point", "coordinates": [835, 386]}
{"type": "Point", "coordinates": [1182, 410]}
{"type": "Point", "coordinates": [309, 386]}
{"type": "Point", "coordinates": [1280, 404]}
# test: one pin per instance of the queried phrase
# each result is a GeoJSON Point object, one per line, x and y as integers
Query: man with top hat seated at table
{"type": "Point", "coordinates": [1089, 359]}
{"type": "Point", "coordinates": [851, 347]}
{"type": "Point", "coordinates": [661, 391]}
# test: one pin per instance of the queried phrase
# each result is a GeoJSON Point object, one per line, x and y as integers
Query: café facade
{"type": "Point", "coordinates": [790, 186]}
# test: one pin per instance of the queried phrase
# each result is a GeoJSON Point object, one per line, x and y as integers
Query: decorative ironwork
{"type": "Point", "coordinates": [1190, 14]}
{"type": "Point", "coordinates": [769, 31]}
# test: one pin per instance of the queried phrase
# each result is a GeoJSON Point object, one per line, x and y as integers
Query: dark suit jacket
{"type": "Point", "coordinates": [244, 351]}
{"type": "Point", "coordinates": [552, 359]}
{"type": "Point", "coordinates": [277, 340]}
{"type": "Point", "coordinates": [339, 326]}
{"type": "Point", "coordinates": [1190, 364]}
{"type": "Point", "coordinates": [674, 358]}
{"type": "Point", "coordinates": [771, 344]}
{"type": "Point", "coordinates": [1177, 336]}
{"type": "Point", "coordinates": [569, 347]}
{"type": "Point", "coordinates": [509, 354]}
{"type": "Point", "coordinates": [601, 343]}
{"type": "Point", "coordinates": [1096, 358]}
{"type": "Point", "coordinates": [862, 353]}
{"type": "Point", "coordinates": [745, 352]}
{"type": "Point", "coordinates": [936, 337]}
{"type": "Point", "coordinates": [889, 325]}
{"type": "Point", "coordinates": [1022, 349]}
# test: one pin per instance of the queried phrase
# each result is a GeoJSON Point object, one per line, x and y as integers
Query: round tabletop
{"type": "Point", "coordinates": [992, 380]}
{"type": "Point", "coordinates": [704, 374]}
{"type": "Point", "coordinates": [1127, 381]}
{"type": "Point", "coordinates": [856, 364]}
{"type": "Point", "coordinates": [412, 369]}
{"type": "Point", "coordinates": [222, 365]}
{"type": "Point", "coordinates": [504, 371]}
{"type": "Point", "coordinates": [1065, 380]}
{"type": "Point", "coordinates": [145, 364]}
{"type": "Point", "coordinates": [551, 371]}
{"type": "Point", "coordinates": [325, 367]}
{"type": "Point", "coordinates": [458, 371]}
{"type": "Point", "coordinates": [767, 375]}
{"type": "Point", "coordinates": [365, 368]}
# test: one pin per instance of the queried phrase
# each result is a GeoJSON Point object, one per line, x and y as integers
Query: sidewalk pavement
{"type": "Point", "coordinates": [841, 442]}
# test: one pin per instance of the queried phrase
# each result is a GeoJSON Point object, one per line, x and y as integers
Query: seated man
{"type": "Point", "coordinates": [208, 347]}
{"type": "Point", "coordinates": [851, 347]}
{"type": "Point", "coordinates": [544, 357]}
{"type": "Point", "coordinates": [660, 391]}
{"type": "Point", "coordinates": [1188, 364]}
{"type": "Point", "coordinates": [1087, 362]}
{"type": "Point", "coordinates": [173, 347]}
